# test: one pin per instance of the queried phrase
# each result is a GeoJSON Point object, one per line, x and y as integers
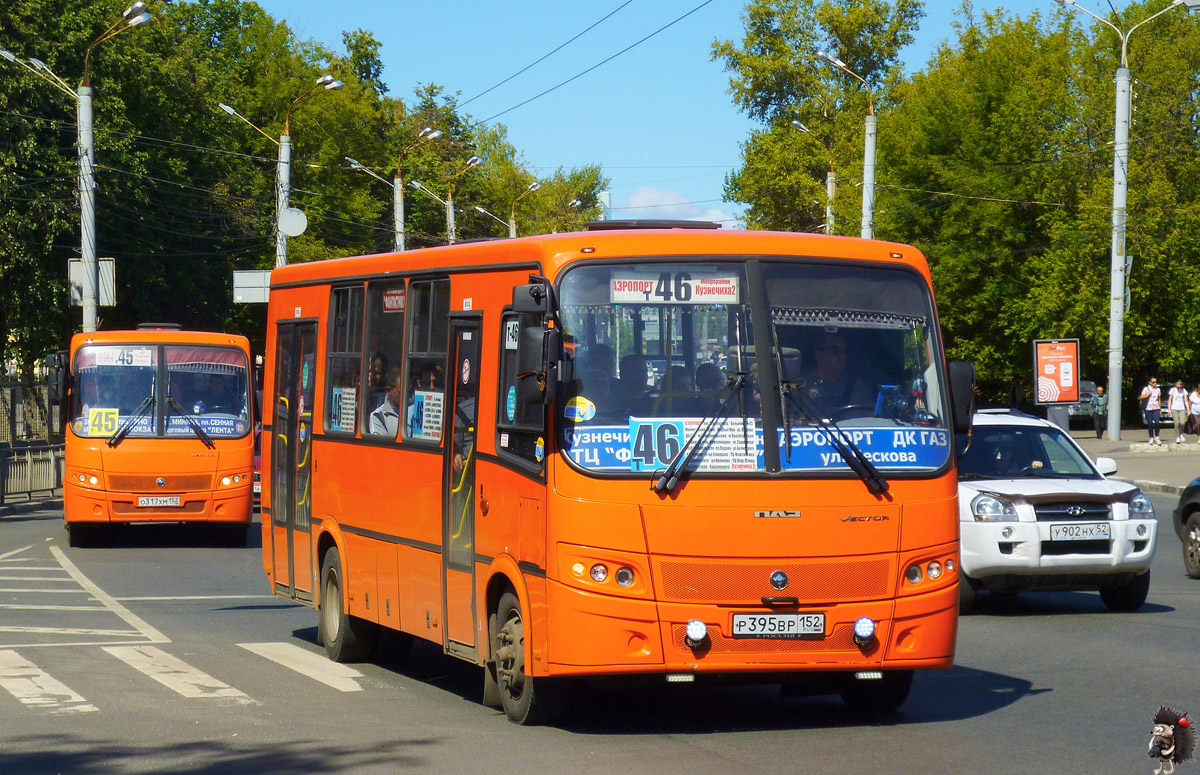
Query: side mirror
{"type": "Point", "coordinates": [56, 377]}
{"type": "Point", "coordinates": [962, 394]}
{"type": "Point", "coordinates": [1106, 466]}
{"type": "Point", "coordinates": [537, 362]}
{"type": "Point", "coordinates": [531, 298]}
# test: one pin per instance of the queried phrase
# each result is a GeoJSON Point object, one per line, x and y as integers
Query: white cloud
{"type": "Point", "coordinates": [655, 203]}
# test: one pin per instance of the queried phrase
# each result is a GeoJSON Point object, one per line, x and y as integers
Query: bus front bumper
{"type": "Point", "coordinates": [594, 634]}
{"type": "Point", "coordinates": [230, 505]}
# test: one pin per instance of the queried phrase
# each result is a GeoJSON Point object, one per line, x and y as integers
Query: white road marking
{"type": "Point", "coordinates": [33, 578]}
{"type": "Point", "coordinates": [315, 666]}
{"type": "Point", "coordinates": [197, 597]}
{"type": "Point", "coordinates": [152, 635]}
{"type": "Point", "coordinates": [36, 688]}
{"type": "Point", "coordinates": [47, 591]}
{"type": "Point", "coordinates": [4, 557]}
{"type": "Point", "coordinates": [175, 674]}
{"type": "Point", "coordinates": [70, 631]}
{"type": "Point", "coordinates": [19, 607]}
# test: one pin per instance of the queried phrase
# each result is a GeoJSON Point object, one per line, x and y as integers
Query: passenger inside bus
{"type": "Point", "coordinates": [221, 397]}
{"type": "Point", "coordinates": [630, 391]}
{"type": "Point", "coordinates": [385, 419]}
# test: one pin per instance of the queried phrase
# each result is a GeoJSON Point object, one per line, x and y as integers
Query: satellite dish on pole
{"type": "Point", "coordinates": [293, 222]}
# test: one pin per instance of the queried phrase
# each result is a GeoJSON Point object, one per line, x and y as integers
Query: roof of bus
{"type": "Point", "coordinates": [156, 335]}
{"type": "Point", "coordinates": [554, 251]}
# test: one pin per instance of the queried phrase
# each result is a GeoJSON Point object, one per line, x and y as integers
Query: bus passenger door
{"type": "Point", "coordinates": [458, 523]}
{"type": "Point", "coordinates": [291, 459]}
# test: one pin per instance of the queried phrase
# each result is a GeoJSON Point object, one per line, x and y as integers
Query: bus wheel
{"type": "Point", "coordinates": [524, 699]}
{"type": "Point", "coordinates": [968, 595]}
{"type": "Point", "coordinates": [882, 695]}
{"type": "Point", "coordinates": [346, 638]}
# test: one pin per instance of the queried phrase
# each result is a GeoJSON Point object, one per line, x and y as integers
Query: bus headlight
{"type": "Point", "coordinates": [914, 574]}
{"type": "Point", "coordinates": [599, 572]}
{"type": "Point", "coordinates": [624, 576]}
{"type": "Point", "coordinates": [695, 634]}
{"type": "Point", "coordinates": [864, 630]}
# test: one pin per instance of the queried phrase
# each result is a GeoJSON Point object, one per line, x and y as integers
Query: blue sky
{"type": "Point", "coordinates": [657, 117]}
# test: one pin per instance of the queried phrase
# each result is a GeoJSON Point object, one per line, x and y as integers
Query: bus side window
{"type": "Point", "coordinates": [344, 360]}
{"type": "Point", "coordinates": [382, 404]}
{"type": "Point", "coordinates": [520, 423]}
{"type": "Point", "coordinates": [425, 389]}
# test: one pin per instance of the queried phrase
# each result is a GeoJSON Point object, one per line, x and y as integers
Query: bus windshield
{"type": "Point", "coordinates": [663, 352]}
{"type": "Point", "coordinates": [119, 387]}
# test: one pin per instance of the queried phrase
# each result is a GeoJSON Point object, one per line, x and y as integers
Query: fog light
{"type": "Point", "coordinates": [237, 479]}
{"type": "Point", "coordinates": [624, 577]}
{"type": "Point", "coordinates": [864, 630]}
{"type": "Point", "coordinates": [1007, 532]}
{"type": "Point", "coordinates": [697, 631]}
{"type": "Point", "coordinates": [913, 574]}
{"type": "Point", "coordinates": [225, 480]}
{"type": "Point", "coordinates": [869, 675]}
{"type": "Point", "coordinates": [1142, 530]}
{"type": "Point", "coordinates": [82, 479]}
{"type": "Point", "coordinates": [92, 480]}
{"type": "Point", "coordinates": [599, 572]}
{"type": "Point", "coordinates": [934, 569]}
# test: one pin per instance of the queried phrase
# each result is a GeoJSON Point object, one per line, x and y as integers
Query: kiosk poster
{"type": "Point", "coordinates": [1056, 371]}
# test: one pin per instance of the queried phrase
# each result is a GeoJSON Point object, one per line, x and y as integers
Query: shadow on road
{"type": "Point", "coordinates": [62, 753]}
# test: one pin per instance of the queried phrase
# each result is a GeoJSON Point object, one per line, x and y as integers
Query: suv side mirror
{"type": "Point", "coordinates": [962, 394]}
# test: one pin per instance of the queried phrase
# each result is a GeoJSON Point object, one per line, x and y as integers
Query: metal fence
{"type": "Point", "coordinates": [26, 415]}
{"type": "Point", "coordinates": [30, 470]}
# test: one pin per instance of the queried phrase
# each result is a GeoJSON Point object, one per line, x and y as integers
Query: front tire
{"type": "Point", "coordinates": [968, 595]}
{"type": "Point", "coordinates": [347, 638]}
{"type": "Point", "coordinates": [1191, 546]}
{"type": "Point", "coordinates": [880, 696]}
{"type": "Point", "coordinates": [79, 534]}
{"type": "Point", "coordinates": [525, 700]}
{"type": "Point", "coordinates": [1127, 597]}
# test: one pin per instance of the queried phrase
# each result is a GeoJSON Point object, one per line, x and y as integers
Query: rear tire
{"type": "Point", "coordinates": [347, 638]}
{"type": "Point", "coordinates": [882, 696]}
{"type": "Point", "coordinates": [525, 700]}
{"type": "Point", "coordinates": [1127, 597]}
{"type": "Point", "coordinates": [1191, 546]}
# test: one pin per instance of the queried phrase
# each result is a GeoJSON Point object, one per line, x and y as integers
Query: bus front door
{"type": "Point", "coordinates": [291, 460]}
{"type": "Point", "coordinates": [458, 523]}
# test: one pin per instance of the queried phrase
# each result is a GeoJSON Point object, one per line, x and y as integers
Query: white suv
{"type": "Point", "coordinates": [1036, 513]}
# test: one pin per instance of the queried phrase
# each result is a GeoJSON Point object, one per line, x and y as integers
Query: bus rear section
{"type": "Point", "coordinates": [674, 456]}
{"type": "Point", "coordinates": [159, 430]}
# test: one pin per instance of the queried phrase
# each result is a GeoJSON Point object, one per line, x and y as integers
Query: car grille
{"type": "Point", "coordinates": [1063, 512]}
{"type": "Point", "coordinates": [1057, 548]}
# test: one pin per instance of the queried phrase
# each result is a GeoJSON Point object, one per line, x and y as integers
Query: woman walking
{"type": "Point", "coordinates": [1152, 398]}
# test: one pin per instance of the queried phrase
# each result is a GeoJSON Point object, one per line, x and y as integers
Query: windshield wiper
{"type": "Point", "coordinates": [123, 431]}
{"type": "Point", "coordinates": [854, 457]}
{"type": "Point", "coordinates": [174, 404]}
{"type": "Point", "coordinates": [670, 475]}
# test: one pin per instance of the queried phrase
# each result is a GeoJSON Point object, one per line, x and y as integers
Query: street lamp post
{"type": "Point", "coordinates": [474, 161]}
{"type": "Point", "coordinates": [830, 181]}
{"type": "Point", "coordinates": [416, 185]}
{"type": "Point", "coordinates": [490, 214]}
{"type": "Point", "coordinates": [287, 221]}
{"type": "Point", "coordinates": [867, 230]}
{"type": "Point", "coordinates": [1119, 261]}
{"type": "Point", "coordinates": [425, 135]}
{"type": "Point", "coordinates": [512, 211]}
{"type": "Point", "coordinates": [569, 205]}
{"type": "Point", "coordinates": [133, 16]}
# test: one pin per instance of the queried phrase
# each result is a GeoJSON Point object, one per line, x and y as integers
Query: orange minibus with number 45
{"type": "Point", "coordinates": [158, 429]}
{"type": "Point", "coordinates": [656, 450]}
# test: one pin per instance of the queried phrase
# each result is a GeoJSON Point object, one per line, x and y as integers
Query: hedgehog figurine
{"type": "Point", "coordinates": [1172, 741]}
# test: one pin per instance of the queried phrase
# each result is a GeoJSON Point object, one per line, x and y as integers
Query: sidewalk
{"type": "Point", "coordinates": [1165, 469]}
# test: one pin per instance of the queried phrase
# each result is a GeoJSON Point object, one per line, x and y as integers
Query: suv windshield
{"type": "Point", "coordinates": [656, 349]}
{"type": "Point", "coordinates": [1007, 451]}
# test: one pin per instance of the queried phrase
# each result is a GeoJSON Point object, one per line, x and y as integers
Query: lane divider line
{"type": "Point", "coordinates": [36, 688]}
{"type": "Point", "coordinates": [151, 634]}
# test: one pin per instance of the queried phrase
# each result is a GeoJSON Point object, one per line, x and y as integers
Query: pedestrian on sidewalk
{"type": "Point", "coordinates": [1100, 410]}
{"type": "Point", "coordinates": [1193, 423]}
{"type": "Point", "coordinates": [1177, 403]}
{"type": "Point", "coordinates": [1151, 400]}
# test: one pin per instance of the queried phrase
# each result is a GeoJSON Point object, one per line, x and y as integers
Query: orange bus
{"type": "Point", "coordinates": [565, 455]}
{"type": "Point", "coordinates": [159, 429]}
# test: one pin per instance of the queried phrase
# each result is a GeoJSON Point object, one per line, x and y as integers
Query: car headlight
{"type": "Point", "coordinates": [1140, 507]}
{"type": "Point", "coordinates": [988, 508]}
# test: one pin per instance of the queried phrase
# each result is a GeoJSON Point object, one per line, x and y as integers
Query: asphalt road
{"type": "Point", "coordinates": [161, 652]}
